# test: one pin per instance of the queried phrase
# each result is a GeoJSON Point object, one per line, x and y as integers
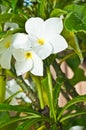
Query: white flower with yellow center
{"type": "Point", "coordinates": [6, 52]}
{"type": "Point", "coordinates": [6, 48]}
{"type": "Point", "coordinates": [45, 35]}
{"type": "Point", "coordinates": [27, 60]}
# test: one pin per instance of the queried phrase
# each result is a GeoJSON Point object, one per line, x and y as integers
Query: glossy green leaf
{"type": "Point", "coordinates": [73, 43]}
{"type": "Point", "coordinates": [18, 108]}
{"type": "Point", "coordinates": [78, 76]}
{"type": "Point", "coordinates": [70, 103]}
{"type": "Point", "coordinates": [56, 12]}
{"type": "Point", "coordinates": [48, 88]}
{"type": "Point", "coordinates": [78, 73]}
{"type": "Point", "coordinates": [14, 2]}
{"type": "Point", "coordinates": [75, 21]}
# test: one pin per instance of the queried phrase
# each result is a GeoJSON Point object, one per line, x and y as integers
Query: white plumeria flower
{"type": "Point", "coordinates": [6, 48]}
{"type": "Point", "coordinates": [27, 60]}
{"type": "Point", "coordinates": [45, 35]}
{"type": "Point", "coordinates": [77, 128]}
{"type": "Point", "coordinates": [10, 26]}
{"type": "Point", "coordinates": [6, 52]}
{"type": "Point", "coordinates": [11, 88]}
{"type": "Point", "coordinates": [21, 41]}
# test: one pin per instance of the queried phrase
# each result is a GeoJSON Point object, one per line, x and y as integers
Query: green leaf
{"type": "Point", "coordinates": [41, 9]}
{"type": "Point", "coordinates": [70, 103]}
{"type": "Point", "coordinates": [2, 88]}
{"type": "Point", "coordinates": [27, 124]}
{"type": "Point", "coordinates": [75, 21]}
{"type": "Point", "coordinates": [19, 19]}
{"type": "Point", "coordinates": [11, 121]}
{"type": "Point", "coordinates": [18, 108]}
{"type": "Point", "coordinates": [54, 127]}
{"type": "Point", "coordinates": [78, 72]}
{"type": "Point", "coordinates": [56, 12]}
{"type": "Point", "coordinates": [78, 76]}
{"type": "Point", "coordinates": [47, 83]}
{"type": "Point", "coordinates": [73, 43]}
{"type": "Point", "coordinates": [56, 91]}
{"type": "Point", "coordinates": [24, 119]}
{"type": "Point", "coordinates": [4, 117]}
{"type": "Point", "coordinates": [72, 115]}
{"type": "Point", "coordinates": [14, 2]}
{"type": "Point", "coordinates": [5, 17]}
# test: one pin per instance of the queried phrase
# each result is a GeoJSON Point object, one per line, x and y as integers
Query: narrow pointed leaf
{"type": "Point", "coordinates": [70, 103]}
{"type": "Point", "coordinates": [18, 108]}
{"type": "Point", "coordinates": [72, 115]}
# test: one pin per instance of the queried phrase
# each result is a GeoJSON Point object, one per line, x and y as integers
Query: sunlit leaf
{"type": "Point", "coordinates": [56, 12]}
{"type": "Point", "coordinates": [75, 21]}
{"type": "Point", "coordinates": [14, 2]}
{"type": "Point", "coordinates": [73, 43]}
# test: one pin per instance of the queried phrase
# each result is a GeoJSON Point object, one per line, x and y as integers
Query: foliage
{"type": "Point", "coordinates": [42, 111]}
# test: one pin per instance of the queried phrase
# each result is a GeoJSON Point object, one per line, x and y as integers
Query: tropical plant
{"type": "Point", "coordinates": [36, 37]}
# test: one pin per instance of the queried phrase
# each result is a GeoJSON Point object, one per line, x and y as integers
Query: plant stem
{"type": "Point", "coordinates": [26, 89]}
{"type": "Point", "coordinates": [2, 87]}
{"type": "Point", "coordinates": [50, 89]}
{"type": "Point", "coordinates": [39, 89]}
{"type": "Point", "coordinates": [40, 94]}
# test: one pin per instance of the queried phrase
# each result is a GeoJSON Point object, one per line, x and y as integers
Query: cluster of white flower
{"type": "Point", "coordinates": [42, 38]}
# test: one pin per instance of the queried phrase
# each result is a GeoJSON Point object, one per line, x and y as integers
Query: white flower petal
{"type": "Point", "coordinates": [58, 43]}
{"type": "Point", "coordinates": [6, 59]}
{"type": "Point", "coordinates": [77, 128]}
{"type": "Point", "coordinates": [43, 50]}
{"type": "Point", "coordinates": [34, 26]}
{"type": "Point", "coordinates": [13, 86]}
{"type": "Point", "coordinates": [2, 50]}
{"type": "Point", "coordinates": [10, 26]}
{"type": "Point", "coordinates": [19, 54]}
{"type": "Point", "coordinates": [23, 67]}
{"type": "Point", "coordinates": [53, 26]}
{"type": "Point", "coordinates": [5, 40]}
{"type": "Point", "coordinates": [21, 40]}
{"type": "Point", "coordinates": [38, 66]}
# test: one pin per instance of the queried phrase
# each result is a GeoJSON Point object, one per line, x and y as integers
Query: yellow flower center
{"type": "Point", "coordinates": [41, 41]}
{"type": "Point", "coordinates": [7, 44]}
{"type": "Point", "coordinates": [28, 55]}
